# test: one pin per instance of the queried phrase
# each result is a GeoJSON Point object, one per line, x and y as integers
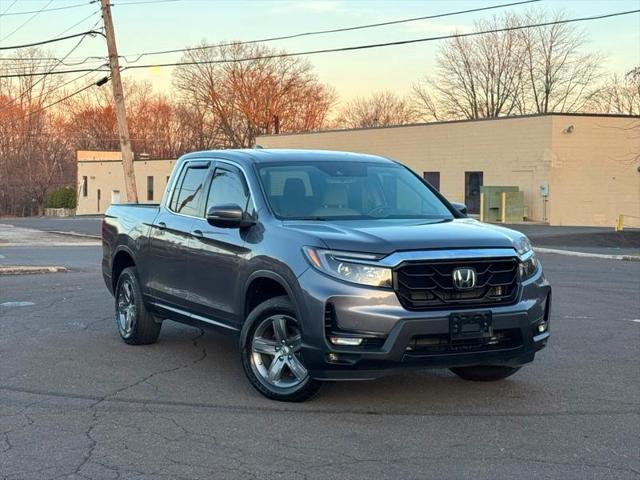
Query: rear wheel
{"type": "Point", "coordinates": [485, 373]}
{"type": "Point", "coordinates": [135, 324]}
{"type": "Point", "coordinates": [271, 353]}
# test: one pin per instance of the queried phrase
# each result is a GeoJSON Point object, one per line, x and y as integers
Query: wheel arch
{"type": "Point", "coordinates": [122, 259]}
{"type": "Point", "coordinates": [262, 285]}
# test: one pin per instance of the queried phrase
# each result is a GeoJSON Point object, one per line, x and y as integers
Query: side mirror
{"type": "Point", "coordinates": [229, 215]}
{"type": "Point", "coordinates": [461, 207]}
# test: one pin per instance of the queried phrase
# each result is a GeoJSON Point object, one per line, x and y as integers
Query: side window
{"type": "Point", "coordinates": [187, 197]}
{"type": "Point", "coordinates": [228, 186]}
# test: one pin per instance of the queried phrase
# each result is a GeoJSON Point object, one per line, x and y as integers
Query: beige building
{"type": "Point", "coordinates": [573, 169]}
{"type": "Point", "coordinates": [101, 180]}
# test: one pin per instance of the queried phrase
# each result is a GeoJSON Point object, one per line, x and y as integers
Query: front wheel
{"type": "Point", "coordinates": [484, 373]}
{"type": "Point", "coordinates": [271, 353]}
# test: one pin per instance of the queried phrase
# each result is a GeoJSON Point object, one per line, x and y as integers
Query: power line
{"type": "Point", "coordinates": [53, 67]}
{"type": "Point", "coordinates": [297, 35]}
{"type": "Point", "coordinates": [8, 8]}
{"type": "Point", "coordinates": [43, 10]}
{"type": "Point", "coordinates": [59, 61]}
{"type": "Point", "coordinates": [351, 48]}
{"type": "Point", "coordinates": [82, 4]}
{"type": "Point", "coordinates": [67, 97]}
{"type": "Point", "coordinates": [55, 72]}
{"type": "Point", "coordinates": [23, 24]}
{"type": "Point", "coordinates": [386, 44]}
{"type": "Point", "coordinates": [53, 40]}
{"type": "Point", "coordinates": [334, 30]}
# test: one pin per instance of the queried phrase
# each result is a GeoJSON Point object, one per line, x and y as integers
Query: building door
{"type": "Point", "coordinates": [472, 184]}
{"type": "Point", "coordinates": [433, 178]}
{"type": "Point", "coordinates": [115, 197]}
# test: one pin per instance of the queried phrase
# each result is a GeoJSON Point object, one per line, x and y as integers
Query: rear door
{"type": "Point", "coordinates": [218, 255]}
{"type": "Point", "coordinates": [168, 270]}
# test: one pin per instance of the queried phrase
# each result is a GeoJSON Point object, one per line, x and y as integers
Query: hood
{"type": "Point", "coordinates": [387, 236]}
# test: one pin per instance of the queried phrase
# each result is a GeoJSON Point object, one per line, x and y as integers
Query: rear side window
{"type": "Point", "coordinates": [187, 198]}
{"type": "Point", "coordinates": [228, 186]}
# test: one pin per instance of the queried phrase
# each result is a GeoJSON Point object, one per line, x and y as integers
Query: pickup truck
{"type": "Point", "coordinates": [326, 266]}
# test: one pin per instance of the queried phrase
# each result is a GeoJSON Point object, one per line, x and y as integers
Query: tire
{"type": "Point", "coordinates": [135, 324]}
{"type": "Point", "coordinates": [276, 368]}
{"type": "Point", "coordinates": [484, 373]}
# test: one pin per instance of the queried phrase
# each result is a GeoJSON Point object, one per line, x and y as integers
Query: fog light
{"type": "Point", "coordinates": [333, 357]}
{"type": "Point", "coordinates": [542, 327]}
{"type": "Point", "coordinates": [349, 341]}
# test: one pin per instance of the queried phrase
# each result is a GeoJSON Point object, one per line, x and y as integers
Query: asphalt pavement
{"type": "Point", "coordinates": [85, 225]}
{"type": "Point", "coordinates": [600, 240]}
{"type": "Point", "coordinates": [76, 402]}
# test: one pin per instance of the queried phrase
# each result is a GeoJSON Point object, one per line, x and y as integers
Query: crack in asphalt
{"type": "Point", "coordinates": [112, 396]}
{"type": "Point", "coordinates": [257, 409]}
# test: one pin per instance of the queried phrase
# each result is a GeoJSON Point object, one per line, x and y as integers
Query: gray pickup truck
{"type": "Point", "coordinates": [327, 266]}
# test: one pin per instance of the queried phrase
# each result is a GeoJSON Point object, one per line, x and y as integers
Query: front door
{"type": "Point", "coordinates": [472, 184]}
{"type": "Point", "coordinates": [218, 254]}
{"type": "Point", "coordinates": [165, 278]}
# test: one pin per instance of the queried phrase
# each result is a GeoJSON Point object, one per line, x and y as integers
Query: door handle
{"type": "Point", "coordinates": [197, 234]}
{"type": "Point", "coordinates": [161, 226]}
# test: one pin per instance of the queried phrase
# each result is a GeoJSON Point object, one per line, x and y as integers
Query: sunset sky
{"type": "Point", "coordinates": [176, 24]}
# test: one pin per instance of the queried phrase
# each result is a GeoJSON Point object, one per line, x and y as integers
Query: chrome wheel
{"type": "Point", "coordinates": [126, 313]}
{"type": "Point", "coordinates": [275, 353]}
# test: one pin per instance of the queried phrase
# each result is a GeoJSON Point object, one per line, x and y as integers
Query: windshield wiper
{"type": "Point", "coordinates": [320, 219]}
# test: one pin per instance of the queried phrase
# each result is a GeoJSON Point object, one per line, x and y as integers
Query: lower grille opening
{"type": "Point", "coordinates": [369, 341]}
{"type": "Point", "coordinates": [442, 344]}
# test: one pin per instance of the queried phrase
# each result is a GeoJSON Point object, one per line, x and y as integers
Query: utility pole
{"type": "Point", "coordinates": [118, 99]}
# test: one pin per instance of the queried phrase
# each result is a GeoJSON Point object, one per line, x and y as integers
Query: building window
{"type": "Point", "coordinates": [85, 186]}
{"type": "Point", "coordinates": [150, 188]}
{"type": "Point", "coordinates": [433, 178]}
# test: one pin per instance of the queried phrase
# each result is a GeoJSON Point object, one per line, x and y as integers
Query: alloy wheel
{"type": "Point", "coordinates": [275, 353]}
{"type": "Point", "coordinates": [126, 314]}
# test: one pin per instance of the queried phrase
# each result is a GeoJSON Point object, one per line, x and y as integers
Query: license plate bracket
{"type": "Point", "coordinates": [470, 325]}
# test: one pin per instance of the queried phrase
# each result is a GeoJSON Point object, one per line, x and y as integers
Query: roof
{"type": "Point", "coordinates": [466, 120]}
{"type": "Point", "coordinates": [264, 155]}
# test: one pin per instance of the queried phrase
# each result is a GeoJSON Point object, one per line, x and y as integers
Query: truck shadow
{"type": "Point", "coordinates": [218, 379]}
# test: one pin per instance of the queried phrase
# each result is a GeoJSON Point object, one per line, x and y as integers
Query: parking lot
{"type": "Point", "coordinates": [76, 402]}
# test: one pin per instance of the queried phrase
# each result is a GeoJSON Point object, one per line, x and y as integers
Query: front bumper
{"type": "Point", "coordinates": [378, 314]}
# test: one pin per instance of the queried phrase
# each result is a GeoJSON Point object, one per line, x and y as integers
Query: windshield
{"type": "Point", "coordinates": [344, 191]}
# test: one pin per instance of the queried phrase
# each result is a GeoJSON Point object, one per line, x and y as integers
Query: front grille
{"type": "Point", "coordinates": [429, 285]}
{"type": "Point", "coordinates": [441, 344]}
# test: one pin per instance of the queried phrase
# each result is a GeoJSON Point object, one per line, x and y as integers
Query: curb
{"type": "Point", "coordinates": [74, 234]}
{"type": "Point", "coordinates": [55, 244]}
{"type": "Point", "coordinates": [26, 270]}
{"type": "Point", "coordinates": [571, 253]}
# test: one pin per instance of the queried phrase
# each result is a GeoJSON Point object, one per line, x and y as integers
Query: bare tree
{"type": "Point", "coordinates": [378, 110]}
{"type": "Point", "coordinates": [557, 75]}
{"type": "Point", "coordinates": [477, 77]}
{"type": "Point", "coordinates": [617, 95]}
{"type": "Point", "coordinates": [241, 99]}
{"type": "Point", "coordinates": [532, 70]}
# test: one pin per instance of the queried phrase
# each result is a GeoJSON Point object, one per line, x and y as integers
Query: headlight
{"type": "Point", "coordinates": [523, 245]}
{"type": "Point", "coordinates": [349, 266]}
{"type": "Point", "coordinates": [528, 266]}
